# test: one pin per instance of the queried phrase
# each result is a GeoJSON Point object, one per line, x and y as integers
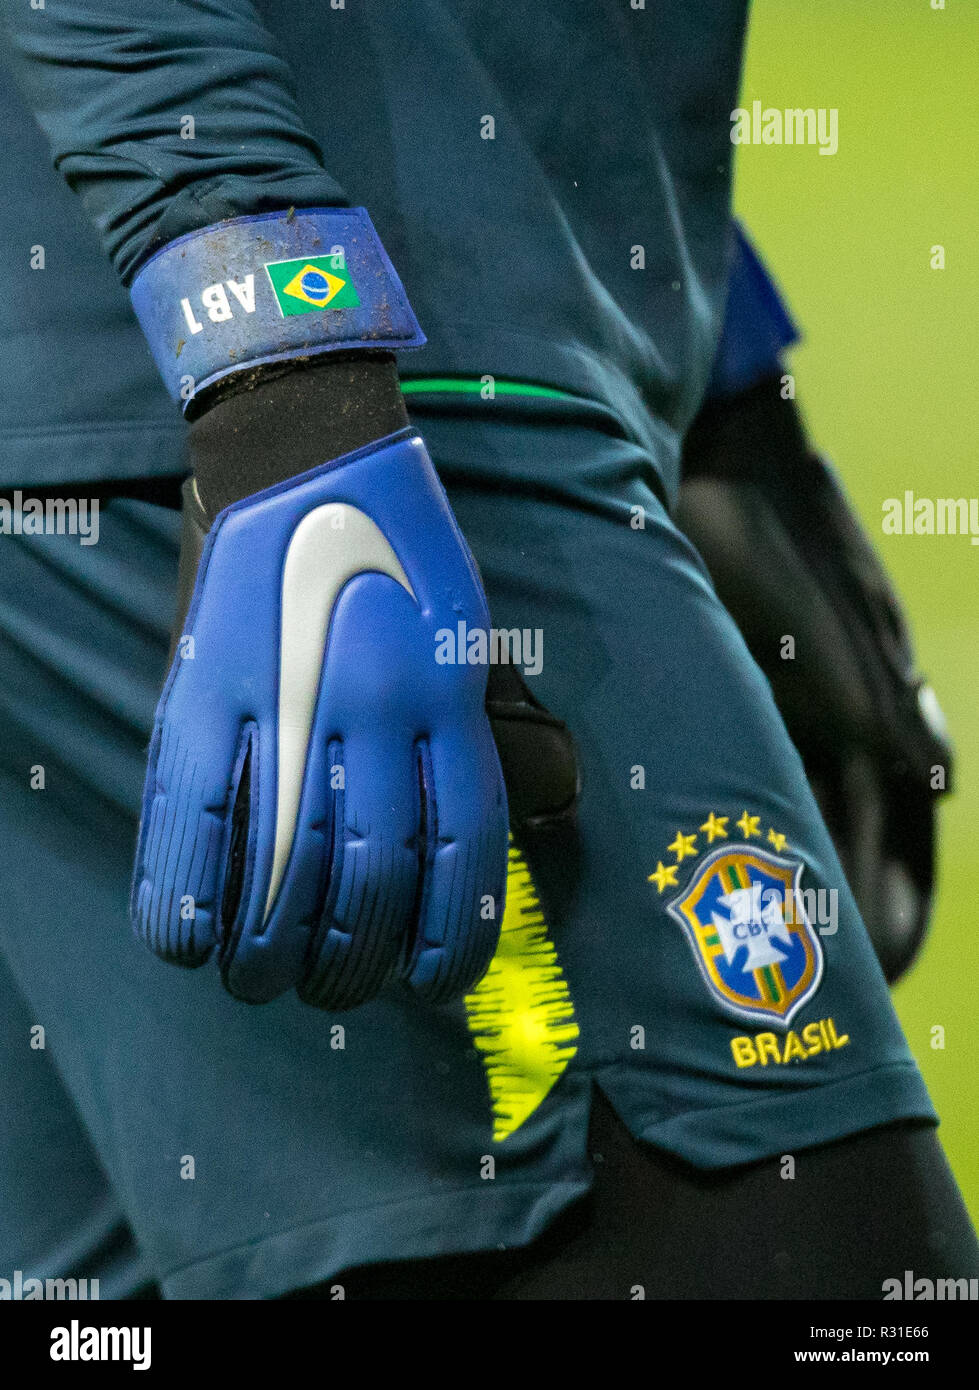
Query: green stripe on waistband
{"type": "Point", "coordinates": [473, 386]}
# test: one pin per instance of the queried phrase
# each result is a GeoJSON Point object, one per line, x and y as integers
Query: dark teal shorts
{"type": "Point", "coordinates": [167, 1132]}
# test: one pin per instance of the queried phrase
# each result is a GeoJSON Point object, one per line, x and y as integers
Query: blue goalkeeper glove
{"type": "Point", "coordinates": [324, 807]}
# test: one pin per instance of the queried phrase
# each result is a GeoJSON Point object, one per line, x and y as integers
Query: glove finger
{"type": "Point", "coordinates": [181, 850]}
{"type": "Point", "coordinates": [465, 874]}
{"type": "Point", "coordinates": [537, 753]}
{"type": "Point", "coordinates": [373, 873]}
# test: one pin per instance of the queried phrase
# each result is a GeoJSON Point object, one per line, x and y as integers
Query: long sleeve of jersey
{"type": "Point", "coordinates": [164, 115]}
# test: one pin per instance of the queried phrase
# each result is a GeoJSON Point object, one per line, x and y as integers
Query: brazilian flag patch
{"type": "Point", "coordinates": [304, 285]}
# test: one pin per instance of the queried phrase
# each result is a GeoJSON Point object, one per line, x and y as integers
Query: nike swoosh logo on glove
{"type": "Point", "coordinates": [329, 547]}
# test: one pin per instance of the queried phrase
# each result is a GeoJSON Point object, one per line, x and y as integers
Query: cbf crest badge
{"type": "Point", "coordinates": [744, 916]}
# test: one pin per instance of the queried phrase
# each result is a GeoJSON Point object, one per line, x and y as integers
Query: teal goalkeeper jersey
{"type": "Point", "coordinates": [550, 178]}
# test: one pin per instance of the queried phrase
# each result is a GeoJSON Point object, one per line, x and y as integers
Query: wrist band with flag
{"type": "Point", "coordinates": [266, 289]}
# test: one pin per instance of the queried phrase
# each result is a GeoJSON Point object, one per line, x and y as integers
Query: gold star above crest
{"type": "Point", "coordinates": [715, 827]}
{"type": "Point", "coordinates": [779, 841]}
{"type": "Point", "coordinates": [682, 846]}
{"type": "Point", "coordinates": [665, 876]}
{"type": "Point", "coordinates": [749, 825]}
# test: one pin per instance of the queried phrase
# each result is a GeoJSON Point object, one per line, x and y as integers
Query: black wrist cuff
{"type": "Point", "coordinates": [269, 426]}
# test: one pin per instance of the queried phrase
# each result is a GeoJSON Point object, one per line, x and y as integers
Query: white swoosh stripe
{"type": "Point", "coordinates": [331, 545]}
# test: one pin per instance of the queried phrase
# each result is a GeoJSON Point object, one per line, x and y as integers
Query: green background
{"type": "Point", "coordinates": [887, 377]}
